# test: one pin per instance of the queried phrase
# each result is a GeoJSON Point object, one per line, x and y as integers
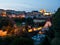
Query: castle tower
{"type": "Point", "coordinates": [42, 11]}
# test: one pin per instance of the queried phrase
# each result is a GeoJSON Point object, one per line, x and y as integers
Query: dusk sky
{"type": "Point", "coordinates": [29, 5]}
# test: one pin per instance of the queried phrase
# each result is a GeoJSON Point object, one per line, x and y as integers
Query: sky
{"type": "Point", "coordinates": [30, 5]}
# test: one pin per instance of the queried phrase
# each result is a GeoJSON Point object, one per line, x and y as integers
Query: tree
{"type": "Point", "coordinates": [5, 21]}
{"type": "Point", "coordinates": [29, 21]}
{"type": "Point", "coordinates": [22, 41]}
{"type": "Point", "coordinates": [56, 27]}
{"type": "Point", "coordinates": [6, 24]}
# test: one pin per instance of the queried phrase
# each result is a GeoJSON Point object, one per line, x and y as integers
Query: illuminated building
{"type": "Point", "coordinates": [42, 11]}
{"type": "Point", "coordinates": [3, 33]}
{"type": "Point", "coordinates": [3, 13]}
{"type": "Point", "coordinates": [47, 14]}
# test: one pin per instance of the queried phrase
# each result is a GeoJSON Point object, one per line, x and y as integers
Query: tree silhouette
{"type": "Point", "coordinates": [56, 27]}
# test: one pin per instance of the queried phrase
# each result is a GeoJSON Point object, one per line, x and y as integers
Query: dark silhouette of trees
{"type": "Point", "coordinates": [56, 27]}
{"type": "Point", "coordinates": [29, 21]}
{"type": "Point", "coordinates": [6, 24]}
{"type": "Point", "coordinates": [5, 21]}
{"type": "Point", "coordinates": [22, 41]}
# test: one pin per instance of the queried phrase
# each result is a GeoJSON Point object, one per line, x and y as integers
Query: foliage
{"type": "Point", "coordinates": [56, 27]}
{"type": "Point", "coordinates": [29, 21]}
{"type": "Point", "coordinates": [56, 20]}
{"type": "Point", "coordinates": [46, 41]}
{"type": "Point", "coordinates": [6, 40]}
{"type": "Point", "coordinates": [5, 21]}
{"type": "Point", "coordinates": [22, 41]}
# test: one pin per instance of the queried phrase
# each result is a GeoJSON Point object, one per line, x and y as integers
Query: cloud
{"type": "Point", "coordinates": [15, 6]}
